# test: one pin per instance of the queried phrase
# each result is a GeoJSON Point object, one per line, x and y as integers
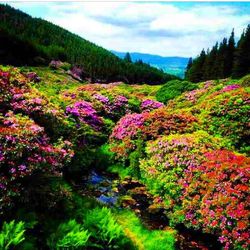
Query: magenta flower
{"type": "Point", "coordinates": [148, 105]}
{"type": "Point", "coordinates": [230, 87]}
{"type": "Point", "coordinates": [85, 113]}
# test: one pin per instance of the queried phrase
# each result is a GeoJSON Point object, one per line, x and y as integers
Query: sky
{"type": "Point", "coordinates": [162, 28]}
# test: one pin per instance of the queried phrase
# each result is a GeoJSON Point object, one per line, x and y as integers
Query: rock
{"type": "Point", "coordinates": [33, 77]}
{"type": "Point", "coordinates": [155, 208]}
{"type": "Point", "coordinates": [138, 190]}
{"type": "Point", "coordinates": [130, 184]}
{"type": "Point", "coordinates": [128, 201]}
{"type": "Point", "coordinates": [77, 72]}
{"type": "Point", "coordinates": [55, 64]}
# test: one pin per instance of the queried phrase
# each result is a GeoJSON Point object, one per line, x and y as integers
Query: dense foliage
{"type": "Point", "coordinates": [33, 41]}
{"type": "Point", "coordinates": [172, 89]}
{"type": "Point", "coordinates": [11, 235]}
{"type": "Point", "coordinates": [223, 60]}
{"type": "Point", "coordinates": [191, 153]}
{"type": "Point", "coordinates": [187, 157]}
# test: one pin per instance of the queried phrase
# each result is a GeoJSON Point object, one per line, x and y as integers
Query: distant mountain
{"type": "Point", "coordinates": [32, 41]}
{"type": "Point", "coordinates": [172, 65]}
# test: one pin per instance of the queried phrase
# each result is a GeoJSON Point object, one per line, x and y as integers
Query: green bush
{"type": "Point", "coordinates": [69, 235]}
{"type": "Point", "coordinates": [106, 232]}
{"type": "Point", "coordinates": [12, 234]}
{"type": "Point", "coordinates": [245, 81]}
{"type": "Point", "coordinates": [172, 89]}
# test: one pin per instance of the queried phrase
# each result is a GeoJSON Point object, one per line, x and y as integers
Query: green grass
{"type": "Point", "coordinates": [142, 238]}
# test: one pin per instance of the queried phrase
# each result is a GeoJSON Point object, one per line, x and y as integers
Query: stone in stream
{"type": "Point", "coordinates": [128, 202]}
{"type": "Point", "coordinates": [107, 200]}
{"type": "Point", "coordinates": [128, 184]}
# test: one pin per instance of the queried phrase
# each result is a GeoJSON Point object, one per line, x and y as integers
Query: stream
{"type": "Point", "coordinates": [130, 194]}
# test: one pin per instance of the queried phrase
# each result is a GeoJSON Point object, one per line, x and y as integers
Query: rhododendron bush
{"type": "Point", "coordinates": [222, 109]}
{"type": "Point", "coordinates": [216, 197]}
{"type": "Point", "coordinates": [167, 159]}
{"type": "Point", "coordinates": [25, 149]}
{"type": "Point", "coordinates": [190, 153]}
{"type": "Point", "coordinates": [147, 126]}
{"type": "Point", "coordinates": [84, 112]}
{"type": "Point", "coordinates": [201, 186]}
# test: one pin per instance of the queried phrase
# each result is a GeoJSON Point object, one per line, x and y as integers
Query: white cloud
{"type": "Point", "coordinates": [167, 29]}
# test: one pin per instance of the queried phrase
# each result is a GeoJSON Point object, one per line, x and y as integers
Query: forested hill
{"type": "Point", "coordinates": [223, 60]}
{"type": "Point", "coordinates": [33, 41]}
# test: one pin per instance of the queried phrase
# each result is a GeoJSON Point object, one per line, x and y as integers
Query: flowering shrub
{"type": "Point", "coordinates": [230, 87]}
{"type": "Point", "coordinates": [194, 95]}
{"type": "Point", "coordinates": [167, 159]}
{"type": "Point", "coordinates": [113, 109]}
{"type": "Point", "coordinates": [228, 115]}
{"type": "Point", "coordinates": [149, 105]}
{"type": "Point", "coordinates": [147, 126]}
{"type": "Point", "coordinates": [25, 149]}
{"type": "Point", "coordinates": [85, 113]}
{"type": "Point", "coordinates": [215, 197]}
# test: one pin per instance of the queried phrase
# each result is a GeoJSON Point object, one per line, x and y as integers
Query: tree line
{"type": "Point", "coordinates": [227, 59]}
{"type": "Point", "coordinates": [33, 41]}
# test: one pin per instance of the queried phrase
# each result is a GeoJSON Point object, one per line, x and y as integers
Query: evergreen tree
{"type": "Point", "coordinates": [195, 73]}
{"type": "Point", "coordinates": [242, 55]}
{"type": "Point", "coordinates": [229, 57]}
{"type": "Point", "coordinates": [220, 60]}
{"type": "Point", "coordinates": [127, 58]}
{"type": "Point", "coordinates": [210, 67]}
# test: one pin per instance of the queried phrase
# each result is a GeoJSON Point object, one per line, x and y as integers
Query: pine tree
{"type": "Point", "coordinates": [195, 73]}
{"type": "Point", "coordinates": [220, 60]}
{"type": "Point", "coordinates": [242, 55]}
{"type": "Point", "coordinates": [127, 58]}
{"type": "Point", "coordinates": [229, 57]}
{"type": "Point", "coordinates": [210, 69]}
{"type": "Point", "coordinates": [189, 66]}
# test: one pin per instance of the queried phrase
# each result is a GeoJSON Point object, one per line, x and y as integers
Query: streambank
{"type": "Point", "coordinates": [130, 194]}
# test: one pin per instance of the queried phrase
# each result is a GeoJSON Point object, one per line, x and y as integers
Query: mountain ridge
{"type": "Point", "coordinates": [170, 64]}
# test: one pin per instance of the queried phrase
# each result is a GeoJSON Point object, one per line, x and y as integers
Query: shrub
{"type": "Point", "coordinates": [149, 105]}
{"type": "Point", "coordinates": [172, 89]}
{"type": "Point", "coordinates": [215, 197]}
{"type": "Point", "coordinates": [245, 81]}
{"type": "Point", "coordinates": [83, 112]}
{"type": "Point", "coordinates": [25, 149]}
{"type": "Point", "coordinates": [147, 126]}
{"type": "Point", "coordinates": [167, 160]}
{"type": "Point", "coordinates": [12, 234]}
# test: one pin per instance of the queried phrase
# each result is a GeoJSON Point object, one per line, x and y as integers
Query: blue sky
{"type": "Point", "coordinates": [163, 28]}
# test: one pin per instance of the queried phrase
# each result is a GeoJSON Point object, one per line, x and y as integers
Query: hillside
{"type": "Point", "coordinates": [172, 161]}
{"type": "Point", "coordinates": [33, 41]}
{"type": "Point", "coordinates": [170, 65]}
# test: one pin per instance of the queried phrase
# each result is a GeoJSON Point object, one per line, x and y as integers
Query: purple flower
{"type": "Point", "coordinates": [101, 98]}
{"type": "Point", "coordinates": [230, 87]}
{"type": "Point", "coordinates": [128, 126]}
{"type": "Point", "coordinates": [85, 113]}
{"type": "Point", "coordinates": [148, 105]}
{"type": "Point", "coordinates": [22, 167]}
{"type": "Point", "coordinates": [12, 170]}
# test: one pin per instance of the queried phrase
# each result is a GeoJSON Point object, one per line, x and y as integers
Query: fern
{"type": "Point", "coordinates": [12, 234]}
{"type": "Point", "coordinates": [69, 235]}
{"type": "Point", "coordinates": [104, 228]}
